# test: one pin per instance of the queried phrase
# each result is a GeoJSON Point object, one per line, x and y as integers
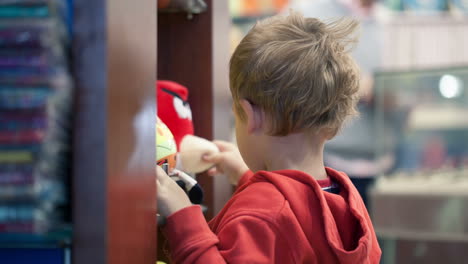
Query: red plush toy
{"type": "Point", "coordinates": [174, 112]}
{"type": "Point", "coordinates": [174, 109]}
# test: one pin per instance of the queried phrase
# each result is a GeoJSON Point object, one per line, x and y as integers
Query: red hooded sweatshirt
{"type": "Point", "coordinates": [278, 217]}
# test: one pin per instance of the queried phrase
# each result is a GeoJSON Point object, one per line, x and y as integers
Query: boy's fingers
{"type": "Point", "coordinates": [223, 145]}
{"type": "Point", "coordinates": [213, 157]}
{"type": "Point", "coordinates": [161, 175]}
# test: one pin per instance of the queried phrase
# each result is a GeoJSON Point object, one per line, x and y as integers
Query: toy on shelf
{"type": "Point", "coordinates": [165, 145]}
{"type": "Point", "coordinates": [189, 159]}
{"type": "Point", "coordinates": [178, 151]}
{"type": "Point", "coordinates": [174, 109]}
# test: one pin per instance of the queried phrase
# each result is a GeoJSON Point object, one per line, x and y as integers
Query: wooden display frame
{"type": "Point", "coordinates": [114, 198]}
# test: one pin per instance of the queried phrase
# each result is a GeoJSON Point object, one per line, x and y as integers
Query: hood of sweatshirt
{"type": "Point", "coordinates": [343, 217]}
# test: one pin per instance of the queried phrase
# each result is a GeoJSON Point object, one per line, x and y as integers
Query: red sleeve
{"type": "Point", "coordinates": [245, 178]}
{"type": "Point", "coordinates": [244, 239]}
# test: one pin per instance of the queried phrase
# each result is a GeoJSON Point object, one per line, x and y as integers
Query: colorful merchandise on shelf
{"type": "Point", "coordinates": [35, 108]}
{"type": "Point", "coordinates": [425, 6]}
{"type": "Point", "coordinates": [394, 5]}
{"type": "Point", "coordinates": [249, 8]}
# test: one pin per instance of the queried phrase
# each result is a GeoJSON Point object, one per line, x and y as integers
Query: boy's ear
{"type": "Point", "coordinates": [254, 116]}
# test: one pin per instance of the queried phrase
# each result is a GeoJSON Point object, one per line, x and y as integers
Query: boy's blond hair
{"type": "Point", "coordinates": [299, 71]}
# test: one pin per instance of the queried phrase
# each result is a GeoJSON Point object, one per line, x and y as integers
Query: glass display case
{"type": "Point", "coordinates": [422, 118]}
{"type": "Point", "coordinates": [419, 204]}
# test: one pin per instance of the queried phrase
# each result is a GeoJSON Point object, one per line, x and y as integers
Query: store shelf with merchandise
{"type": "Point", "coordinates": [427, 17]}
{"type": "Point", "coordinates": [36, 94]}
{"type": "Point", "coordinates": [414, 19]}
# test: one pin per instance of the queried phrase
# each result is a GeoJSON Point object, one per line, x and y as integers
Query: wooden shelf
{"type": "Point", "coordinates": [189, 7]}
{"type": "Point", "coordinates": [195, 53]}
{"type": "Point", "coordinates": [114, 196]}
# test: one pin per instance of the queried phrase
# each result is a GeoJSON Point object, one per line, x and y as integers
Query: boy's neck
{"type": "Point", "coordinates": [297, 151]}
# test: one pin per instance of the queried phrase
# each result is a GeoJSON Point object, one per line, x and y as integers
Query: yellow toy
{"type": "Point", "coordinates": [189, 159]}
{"type": "Point", "coordinates": [166, 149]}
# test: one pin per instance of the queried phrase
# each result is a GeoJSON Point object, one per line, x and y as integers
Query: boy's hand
{"type": "Point", "coordinates": [228, 161]}
{"type": "Point", "coordinates": [171, 198]}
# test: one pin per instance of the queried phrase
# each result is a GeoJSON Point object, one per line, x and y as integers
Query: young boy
{"type": "Point", "coordinates": [293, 84]}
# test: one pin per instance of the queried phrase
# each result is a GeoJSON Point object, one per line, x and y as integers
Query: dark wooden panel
{"type": "Point", "coordinates": [114, 188]}
{"type": "Point", "coordinates": [89, 149]}
{"type": "Point", "coordinates": [185, 56]}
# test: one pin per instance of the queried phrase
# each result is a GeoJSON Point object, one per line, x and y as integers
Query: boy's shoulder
{"type": "Point", "coordinates": [259, 196]}
{"type": "Point", "coordinates": [258, 199]}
